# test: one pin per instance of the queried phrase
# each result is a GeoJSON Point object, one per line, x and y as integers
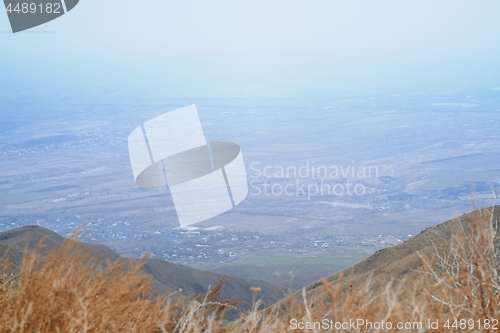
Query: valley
{"type": "Point", "coordinates": [65, 169]}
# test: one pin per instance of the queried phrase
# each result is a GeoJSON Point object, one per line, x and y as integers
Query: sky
{"type": "Point", "coordinates": [229, 48]}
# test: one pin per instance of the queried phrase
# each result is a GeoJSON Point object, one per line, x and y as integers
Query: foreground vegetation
{"type": "Point", "coordinates": [65, 291]}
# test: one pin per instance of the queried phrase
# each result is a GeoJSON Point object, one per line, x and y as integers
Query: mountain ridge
{"type": "Point", "coordinates": [395, 263]}
{"type": "Point", "coordinates": [167, 276]}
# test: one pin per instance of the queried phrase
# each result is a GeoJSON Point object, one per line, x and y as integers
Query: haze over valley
{"type": "Point", "coordinates": [332, 179]}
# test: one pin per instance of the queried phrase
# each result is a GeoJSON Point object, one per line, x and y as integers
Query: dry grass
{"type": "Point", "coordinates": [66, 292]}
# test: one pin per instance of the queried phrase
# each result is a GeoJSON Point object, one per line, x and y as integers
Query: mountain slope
{"type": "Point", "coordinates": [168, 277]}
{"type": "Point", "coordinates": [400, 261]}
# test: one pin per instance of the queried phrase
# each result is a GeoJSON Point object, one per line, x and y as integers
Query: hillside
{"type": "Point", "coordinates": [404, 260]}
{"type": "Point", "coordinates": [168, 277]}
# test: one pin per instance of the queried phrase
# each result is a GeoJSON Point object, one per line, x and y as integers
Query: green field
{"type": "Point", "coordinates": [291, 271]}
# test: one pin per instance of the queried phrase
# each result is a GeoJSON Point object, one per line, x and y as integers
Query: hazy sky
{"type": "Point", "coordinates": [232, 47]}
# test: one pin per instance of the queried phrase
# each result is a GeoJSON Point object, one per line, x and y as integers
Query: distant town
{"type": "Point", "coordinates": [217, 244]}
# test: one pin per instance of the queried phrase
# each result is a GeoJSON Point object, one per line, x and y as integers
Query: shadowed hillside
{"type": "Point", "coordinates": [168, 277]}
